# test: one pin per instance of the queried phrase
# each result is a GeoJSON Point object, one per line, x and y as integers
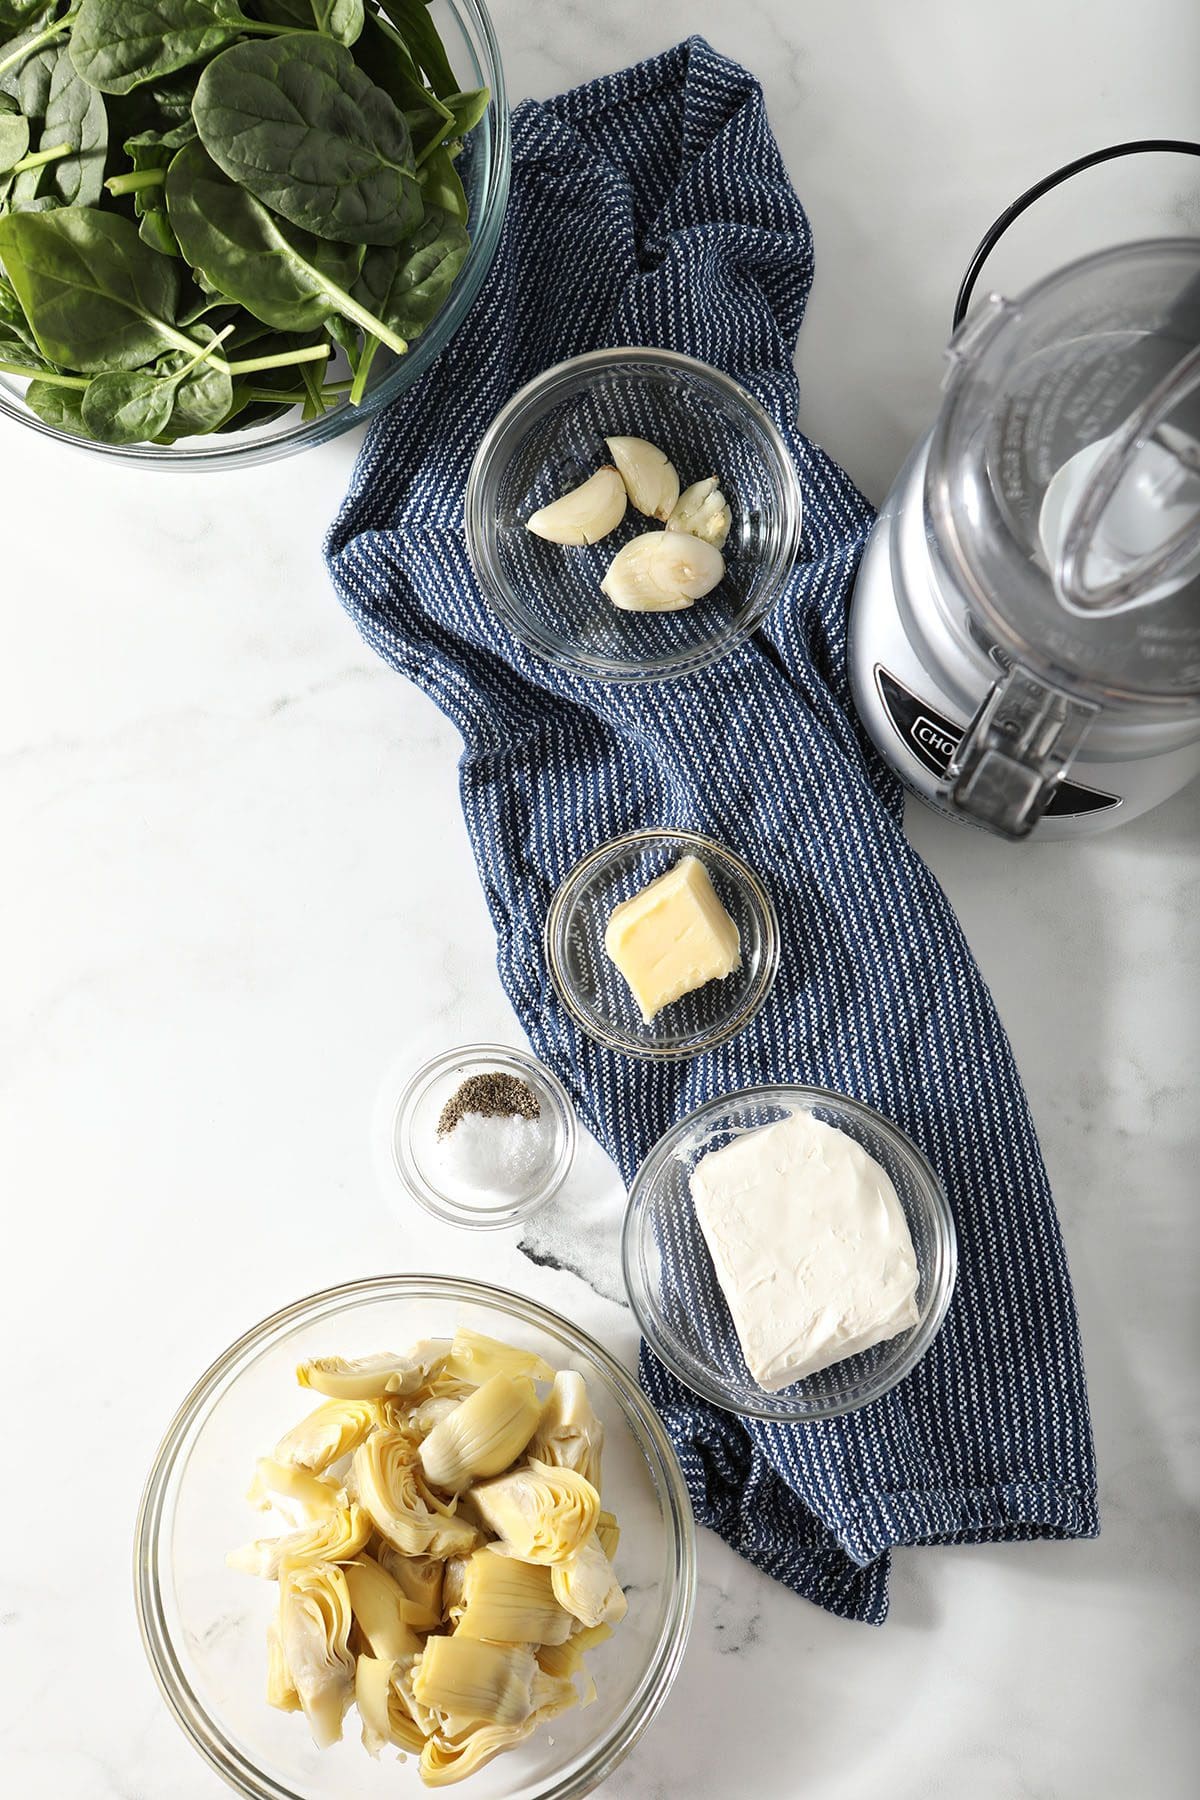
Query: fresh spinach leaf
{"type": "Point", "coordinates": [411, 19]}
{"type": "Point", "coordinates": [285, 277]}
{"type": "Point", "coordinates": [14, 14]}
{"type": "Point", "coordinates": [441, 184]}
{"type": "Point", "coordinates": [385, 57]}
{"type": "Point", "coordinates": [407, 286]}
{"type": "Point", "coordinates": [468, 109]}
{"type": "Point", "coordinates": [14, 132]}
{"type": "Point", "coordinates": [296, 123]}
{"type": "Point", "coordinates": [150, 153]}
{"type": "Point", "coordinates": [340, 19]}
{"type": "Point", "coordinates": [184, 394]}
{"type": "Point", "coordinates": [118, 44]}
{"type": "Point", "coordinates": [95, 296]}
{"type": "Point", "coordinates": [58, 407]}
{"type": "Point", "coordinates": [75, 116]}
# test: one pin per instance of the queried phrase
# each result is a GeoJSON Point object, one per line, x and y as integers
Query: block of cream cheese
{"type": "Point", "coordinates": [672, 937]}
{"type": "Point", "coordinates": [811, 1247]}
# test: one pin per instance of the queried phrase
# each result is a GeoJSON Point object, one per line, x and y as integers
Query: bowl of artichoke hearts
{"type": "Point", "coordinates": [412, 1532]}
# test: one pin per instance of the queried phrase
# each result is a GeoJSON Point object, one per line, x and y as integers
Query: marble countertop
{"type": "Point", "coordinates": [238, 905]}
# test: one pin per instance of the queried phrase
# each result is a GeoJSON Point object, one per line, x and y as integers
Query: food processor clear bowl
{"type": "Point", "coordinates": [1063, 479]}
{"type": "Point", "coordinates": [467, 32]}
{"type": "Point", "coordinates": [204, 1625]}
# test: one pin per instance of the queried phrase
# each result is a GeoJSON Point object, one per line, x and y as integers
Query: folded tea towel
{"type": "Point", "coordinates": [652, 207]}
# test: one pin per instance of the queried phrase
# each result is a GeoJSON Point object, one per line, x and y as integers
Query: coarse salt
{"type": "Point", "coordinates": [503, 1155]}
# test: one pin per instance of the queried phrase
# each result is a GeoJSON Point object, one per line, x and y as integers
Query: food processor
{"type": "Point", "coordinates": [1025, 628]}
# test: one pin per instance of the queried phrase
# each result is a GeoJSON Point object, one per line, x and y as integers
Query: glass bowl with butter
{"type": "Point", "coordinates": [788, 1252]}
{"type": "Point", "coordinates": [662, 943]}
{"type": "Point", "coordinates": [559, 433]}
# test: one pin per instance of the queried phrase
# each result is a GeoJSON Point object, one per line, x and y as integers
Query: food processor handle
{"type": "Point", "coordinates": [1139, 578]}
{"type": "Point", "coordinates": [1014, 753]}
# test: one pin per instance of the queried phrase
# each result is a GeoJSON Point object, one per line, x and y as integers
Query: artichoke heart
{"type": "Point", "coordinates": [447, 1760]}
{"type": "Point", "coordinates": [586, 1586]}
{"type": "Point", "coordinates": [371, 1377]}
{"type": "Point", "coordinates": [510, 1602]}
{"type": "Point", "coordinates": [475, 1683]}
{"type": "Point", "coordinates": [474, 1356]}
{"type": "Point", "coordinates": [570, 1435]}
{"type": "Point", "coordinates": [608, 1534]}
{"type": "Point", "coordinates": [454, 1583]}
{"type": "Point", "coordinates": [483, 1434]}
{"type": "Point", "coordinates": [567, 1659]}
{"type": "Point", "coordinates": [340, 1535]}
{"type": "Point", "coordinates": [385, 1718]}
{"type": "Point", "coordinates": [419, 1579]}
{"type": "Point", "coordinates": [301, 1498]}
{"type": "Point", "coordinates": [381, 1612]}
{"type": "Point", "coordinates": [419, 1420]}
{"type": "Point", "coordinates": [543, 1514]}
{"type": "Point", "coordinates": [314, 1629]}
{"type": "Point", "coordinates": [404, 1511]}
{"type": "Point", "coordinates": [281, 1689]}
{"type": "Point", "coordinates": [326, 1435]}
{"type": "Point", "coordinates": [551, 1695]}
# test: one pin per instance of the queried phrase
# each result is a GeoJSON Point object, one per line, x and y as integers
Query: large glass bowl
{"type": "Point", "coordinates": [550, 437]}
{"type": "Point", "coordinates": [474, 55]}
{"type": "Point", "coordinates": [673, 1286]}
{"type": "Point", "coordinates": [204, 1625]}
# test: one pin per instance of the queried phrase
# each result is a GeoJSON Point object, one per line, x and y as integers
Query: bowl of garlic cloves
{"type": "Point", "coordinates": [632, 515]}
{"type": "Point", "coordinates": [410, 1533]}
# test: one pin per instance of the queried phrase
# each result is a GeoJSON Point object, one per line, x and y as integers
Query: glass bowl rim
{"type": "Point", "coordinates": [423, 1191]}
{"type": "Point", "coordinates": [942, 1276]}
{"type": "Point", "coordinates": [734, 865]}
{"type": "Point", "coordinates": [496, 588]}
{"type": "Point", "coordinates": [213, 453]}
{"type": "Point", "coordinates": [647, 1428]}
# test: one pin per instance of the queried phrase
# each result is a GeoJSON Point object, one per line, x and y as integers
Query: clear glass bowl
{"type": "Point", "coordinates": [474, 54]}
{"type": "Point", "coordinates": [550, 437]}
{"type": "Point", "coordinates": [673, 1286]}
{"type": "Point", "coordinates": [414, 1137]}
{"type": "Point", "coordinates": [594, 991]}
{"type": "Point", "coordinates": [204, 1625]}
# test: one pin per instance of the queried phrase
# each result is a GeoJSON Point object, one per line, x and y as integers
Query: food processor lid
{"type": "Point", "coordinates": [1063, 485]}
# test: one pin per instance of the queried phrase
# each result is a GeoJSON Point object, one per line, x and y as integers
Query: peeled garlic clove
{"type": "Point", "coordinates": [703, 511]}
{"type": "Point", "coordinates": [662, 571]}
{"type": "Point", "coordinates": [585, 515]}
{"type": "Point", "coordinates": [649, 478]}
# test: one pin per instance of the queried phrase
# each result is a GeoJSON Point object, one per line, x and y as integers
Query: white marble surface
{"type": "Point", "coordinates": [237, 900]}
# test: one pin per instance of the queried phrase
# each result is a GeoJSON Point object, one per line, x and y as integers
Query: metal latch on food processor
{"type": "Point", "coordinates": [1014, 753]}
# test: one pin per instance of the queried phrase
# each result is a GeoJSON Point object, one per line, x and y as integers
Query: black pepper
{"type": "Point", "coordinates": [492, 1095]}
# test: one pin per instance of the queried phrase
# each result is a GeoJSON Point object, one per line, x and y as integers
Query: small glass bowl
{"type": "Point", "coordinates": [594, 991]}
{"type": "Point", "coordinates": [204, 1625]}
{"type": "Point", "coordinates": [673, 1286]}
{"type": "Point", "coordinates": [550, 437]}
{"type": "Point", "coordinates": [470, 40]}
{"type": "Point", "coordinates": [415, 1140]}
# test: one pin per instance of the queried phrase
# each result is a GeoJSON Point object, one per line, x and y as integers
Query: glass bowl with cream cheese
{"type": "Point", "coordinates": [591, 958]}
{"type": "Point", "coordinates": [553, 436]}
{"type": "Point", "coordinates": [789, 1253]}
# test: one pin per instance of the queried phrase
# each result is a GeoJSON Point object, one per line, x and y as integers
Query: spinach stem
{"type": "Point", "coordinates": [204, 354]}
{"type": "Point", "coordinates": [37, 157]}
{"type": "Point", "coordinates": [35, 43]}
{"type": "Point", "coordinates": [350, 309]}
{"type": "Point", "coordinates": [284, 360]}
{"type": "Point", "coordinates": [46, 375]}
{"type": "Point", "coordinates": [366, 358]}
{"type": "Point", "coordinates": [135, 180]}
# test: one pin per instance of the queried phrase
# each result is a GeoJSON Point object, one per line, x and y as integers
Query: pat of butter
{"type": "Point", "coordinates": [672, 937]}
{"type": "Point", "coordinates": [811, 1247]}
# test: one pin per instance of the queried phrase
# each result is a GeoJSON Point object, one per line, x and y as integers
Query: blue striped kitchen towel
{"type": "Point", "coordinates": [652, 207]}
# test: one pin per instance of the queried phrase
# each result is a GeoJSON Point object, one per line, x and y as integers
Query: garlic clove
{"type": "Point", "coordinates": [649, 478]}
{"type": "Point", "coordinates": [703, 511]}
{"type": "Point", "coordinates": [662, 571]}
{"type": "Point", "coordinates": [585, 515]}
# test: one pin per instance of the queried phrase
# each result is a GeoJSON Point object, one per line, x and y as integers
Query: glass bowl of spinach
{"type": "Point", "coordinates": [230, 229]}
